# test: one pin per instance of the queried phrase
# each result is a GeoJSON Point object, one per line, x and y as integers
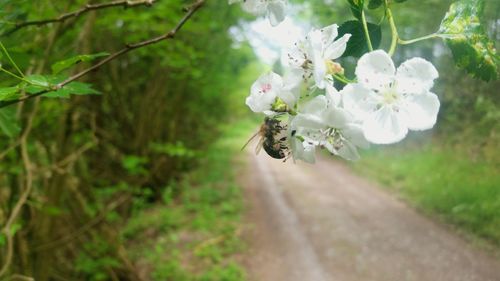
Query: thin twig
{"type": "Point", "coordinates": [83, 10]}
{"type": "Point", "coordinates": [129, 47]}
{"type": "Point", "coordinates": [9, 149]}
{"type": "Point", "coordinates": [102, 215]}
{"type": "Point", "coordinates": [20, 277]}
{"type": "Point", "coordinates": [7, 230]}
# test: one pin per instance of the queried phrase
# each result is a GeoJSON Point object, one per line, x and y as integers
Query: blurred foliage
{"type": "Point", "coordinates": [97, 161]}
{"type": "Point", "coordinates": [468, 41]}
{"type": "Point", "coordinates": [446, 182]}
{"type": "Point", "coordinates": [194, 236]}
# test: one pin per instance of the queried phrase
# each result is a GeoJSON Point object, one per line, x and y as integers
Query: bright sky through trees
{"type": "Point", "coordinates": [268, 41]}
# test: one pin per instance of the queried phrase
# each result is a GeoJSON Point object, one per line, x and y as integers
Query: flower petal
{"type": "Point", "coordinates": [255, 7]}
{"type": "Point", "coordinates": [337, 48]}
{"type": "Point", "coordinates": [415, 76]}
{"type": "Point", "coordinates": [328, 34]}
{"type": "Point", "coordinates": [264, 91]}
{"type": "Point", "coordinates": [421, 111]}
{"type": "Point", "coordinates": [319, 70]}
{"type": "Point", "coordinates": [358, 100]}
{"type": "Point", "coordinates": [336, 117]}
{"type": "Point", "coordinates": [315, 106]}
{"type": "Point", "coordinates": [385, 126]}
{"type": "Point", "coordinates": [303, 151]}
{"type": "Point", "coordinates": [310, 121]}
{"type": "Point", "coordinates": [348, 151]}
{"type": "Point", "coordinates": [260, 103]}
{"type": "Point", "coordinates": [289, 97]}
{"type": "Point", "coordinates": [332, 95]}
{"type": "Point", "coordinates": [354, 133]}
{"type": "Point", "coordinates": [297, 55]}
{"type": "Point", "coordinates": [276, 12]}
{"type": "Point", "coordinates": [375, 70]}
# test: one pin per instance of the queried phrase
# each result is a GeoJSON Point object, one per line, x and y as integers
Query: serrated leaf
{"type": "Point", "coordinates": [38, 80]}
{"type": "Point", "coordinates": [9, 93]}
{"type": "Point", "coordinates": [357, 45]}
{"type": "Point", "coordinates": [374, 4]}
{"type": "Point", "coordinates": [80, 88]}
{"type": "Point", "coordinates": [67, 63]}
{"type": "Point", "coordinates": [356, 3]}
{"type": "Point", "coordinates": [466, 37]}
{"type": "Point", "coordinates": [73, 88]}
{"type": "Point", "coordinates": [62, 93]}
{"type": "Point", "coordinates": [8, 122]}
{"type": "Point", "coordinates": [36, 83]}
{"type": "Point", "coordinates": [356, 7]}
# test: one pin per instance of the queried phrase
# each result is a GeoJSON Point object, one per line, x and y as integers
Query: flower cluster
{"type": "Point", "coordinates": [379, 106]}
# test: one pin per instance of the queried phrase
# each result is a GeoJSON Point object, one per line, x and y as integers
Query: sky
{"type": "Point", "coordinates": [268, 41]}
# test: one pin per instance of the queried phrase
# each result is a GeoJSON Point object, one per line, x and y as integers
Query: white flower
{"type": "Point", "coordinates": [270, 92]}
{"type": "Point", "coordinates": [390, 102]}
{"type": "Point", "coordinates": [322, 122]}
{"type": "Point", "coordinates": [301, 149]}
{"type": "Point", "coordinates": [314, 56]}
{"type": "Point", "coordinates": [273, 9]}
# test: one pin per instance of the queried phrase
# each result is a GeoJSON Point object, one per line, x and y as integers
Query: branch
{"type": "Point", "coordinates": [129, 47]}
{"type": "Point", "coordinates": [86, 227]}
{"type": "Point", "coordinates": [28, 167]}
{"type": "Point", "coordinates": [85, 9]}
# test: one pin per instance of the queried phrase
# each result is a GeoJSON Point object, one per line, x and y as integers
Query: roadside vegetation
{"type": "Point", "coordinates": [194, 234]}
{"type": "Point", "coordinates": [443, 181]}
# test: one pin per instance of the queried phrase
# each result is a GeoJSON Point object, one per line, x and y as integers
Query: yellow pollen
{"type": "Point", "coordinates": [390, 96]}
{"type": "Point", "coordinates": [333, 67]}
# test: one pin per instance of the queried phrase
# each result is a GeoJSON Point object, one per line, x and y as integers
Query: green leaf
{"type": "Point", "coordinates": [357, 46]}
{"type": "Point", "coordinates": [356, 7]}
{"type": "Point", "coordinates": [15, 228]}
{"type": "Point", "coordinates": [38, 80]}
{"type": "Point", "coordinates": [135, 165]}
{"type": "Point", "coordinates": [37, 83]}
{"type": "Point", "coordinates": [80, 88]}
{"type": "Point", "coordinates": [65, 64]}
{"type": "Point", "coordinates": [374, 4]}
{"type": "Point", "coordinates": [8, 122]}
{"type": "Point", "coordinates": [466, 37]}
{"type": "Point", "coordinates": [356, 3]}
{"type": "Point", "coordinates": [73, 88]}
{"type": "Point", "coordinates": [9, 93]}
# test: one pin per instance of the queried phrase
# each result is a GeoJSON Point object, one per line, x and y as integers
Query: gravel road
{"type": "Point", "coordinates": [322, 222]}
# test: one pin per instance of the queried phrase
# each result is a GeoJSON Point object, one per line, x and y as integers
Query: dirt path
{"type": "Point", "coordinates": [322, 222]}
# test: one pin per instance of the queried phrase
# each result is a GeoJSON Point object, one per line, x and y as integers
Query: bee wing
{"type": "Point", "coordinates": [250, 139]}
{"type": "Point", "coordinates": [258, 148]}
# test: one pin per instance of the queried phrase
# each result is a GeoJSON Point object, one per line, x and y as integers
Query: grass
{"type": "Point", "coordinates": [444, 182]}
{"type": "Point", "coordinates": [194, 235]}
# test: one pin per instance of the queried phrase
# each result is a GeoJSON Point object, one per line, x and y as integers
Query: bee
{"type": "Point", "coordinates": [273, 138]}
